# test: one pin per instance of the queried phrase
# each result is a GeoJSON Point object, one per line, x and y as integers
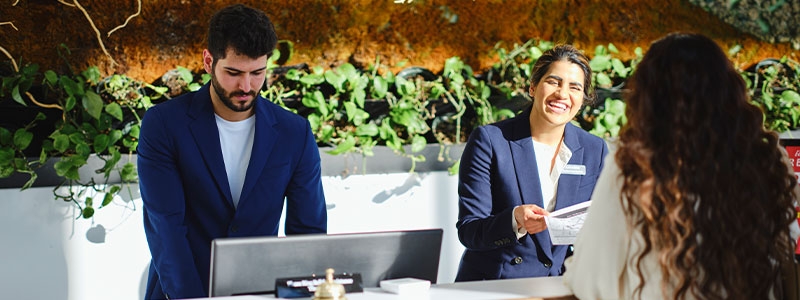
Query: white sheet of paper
{"type": "Point", "coordinates": [565, 223]}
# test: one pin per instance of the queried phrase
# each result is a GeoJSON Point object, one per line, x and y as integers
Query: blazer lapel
{"type": "Point", "coordinates": [568, 184]}
{"type": "Point", "coordinates": [206, 135]}
{"type": "Point", "coordinates": [263, 144]}
{"type": "Point", "coordinates": [527, 172]}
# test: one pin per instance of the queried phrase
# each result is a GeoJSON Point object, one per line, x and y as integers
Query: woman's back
{"type": "Point", "coordinates": [703, 188]}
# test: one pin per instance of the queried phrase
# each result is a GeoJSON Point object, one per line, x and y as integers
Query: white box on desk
{"type": "Point", "coordinates": [406, 286]}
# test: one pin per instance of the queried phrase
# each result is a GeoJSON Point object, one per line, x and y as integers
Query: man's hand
{"type": "Point", "coordinates": [531, 217]}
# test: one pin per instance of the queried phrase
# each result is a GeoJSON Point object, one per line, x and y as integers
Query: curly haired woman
{"type": "Point", "coordinates": [698, 200]}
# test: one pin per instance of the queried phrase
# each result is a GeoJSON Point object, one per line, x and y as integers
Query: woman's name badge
{"type": "Point", "coordinates": [574, 170]}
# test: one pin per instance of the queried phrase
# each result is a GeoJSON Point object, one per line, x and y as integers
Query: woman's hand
{"type": "Point", "coordinates": [531, 217]}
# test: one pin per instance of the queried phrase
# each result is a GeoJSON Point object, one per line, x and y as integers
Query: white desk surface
{"type": "Point", "coordinates": [522, 288]}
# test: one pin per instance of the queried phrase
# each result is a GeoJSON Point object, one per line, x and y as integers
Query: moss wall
{"type": "Point", "coordinates": [169, 33]}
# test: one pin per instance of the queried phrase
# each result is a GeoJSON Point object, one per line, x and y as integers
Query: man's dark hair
{"type": "Point", "coordinates": [246, 30]}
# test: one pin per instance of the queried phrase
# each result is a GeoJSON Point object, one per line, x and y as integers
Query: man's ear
{"type": "Point", "coordinates": [208, 61]}
{"type": "Point", "coordinates": [531, 90]}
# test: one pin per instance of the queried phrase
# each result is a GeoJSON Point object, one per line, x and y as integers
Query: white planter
{"type": "Point", "coordinates": [49, 254]}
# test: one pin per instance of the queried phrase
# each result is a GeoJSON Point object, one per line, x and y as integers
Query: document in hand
{"type": "Point", "coordinates": [565, 223]}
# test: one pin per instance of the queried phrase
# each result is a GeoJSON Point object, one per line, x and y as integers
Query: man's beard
{"type": "Point", "coordinates": [226, 99]}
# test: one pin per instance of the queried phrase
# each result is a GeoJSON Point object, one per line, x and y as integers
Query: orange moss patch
{"type": "Point", "coordinates": [328, 32]}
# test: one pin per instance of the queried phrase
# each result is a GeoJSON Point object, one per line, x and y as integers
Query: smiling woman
{"type": "Point", "coordinates": [511, 175]}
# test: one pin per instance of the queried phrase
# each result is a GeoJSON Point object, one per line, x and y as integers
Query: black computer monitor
{"type": "Point", "coordinates": [251, 265]}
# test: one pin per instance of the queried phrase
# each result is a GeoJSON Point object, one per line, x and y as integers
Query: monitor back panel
{"type": "Point", "coordinates": [251, 265]}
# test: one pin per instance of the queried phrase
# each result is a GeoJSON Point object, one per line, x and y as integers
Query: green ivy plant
{"type": "Point", "coordinates": [608, 118]}
{"type": "Point", "coordinates": [773, 86]}
{"type": "Point", "coordinates": [100, 117]}
{"type": "Point", "coordinates": [93, 124]}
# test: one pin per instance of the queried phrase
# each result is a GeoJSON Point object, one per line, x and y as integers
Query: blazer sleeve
{"type": "Point", "coordinates": [164, 209]}
{"type": "Point", "coordinates": [305, 199]}
{"type": "Point", "coordinates": [481, 226]}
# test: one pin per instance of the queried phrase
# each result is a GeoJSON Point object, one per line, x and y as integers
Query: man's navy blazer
{"type": "Point", "coordinates": [187, 199]}
{"type": "Point", "coordinates": [498, 172]}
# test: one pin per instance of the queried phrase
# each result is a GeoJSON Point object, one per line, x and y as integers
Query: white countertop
{"type": "Point", "coordinates": [522, 288]}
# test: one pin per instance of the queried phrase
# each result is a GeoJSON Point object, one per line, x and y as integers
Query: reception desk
{"type": "Point", "coordinates": [523, 288]}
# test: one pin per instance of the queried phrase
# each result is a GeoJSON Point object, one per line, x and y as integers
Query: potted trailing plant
{"type": "Point", "coordinates": [98, 119]}
{"type": "Point", "coordinates": [85, 117]}
{"type": "Point", "coordinates": [773, 85]}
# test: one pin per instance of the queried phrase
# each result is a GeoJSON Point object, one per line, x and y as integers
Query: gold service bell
{"type": "Point", "coordinates": [329, 290]}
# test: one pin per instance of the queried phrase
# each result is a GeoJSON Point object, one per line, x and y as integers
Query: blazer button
{"type": "Point", "coordinates": [517, 260]}
{"type": "Point", "coordinates": [548, 264]}
{"type": "Point", "coordinates": [234, 228]}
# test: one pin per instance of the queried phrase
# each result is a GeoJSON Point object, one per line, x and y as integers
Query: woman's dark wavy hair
{"type": "Point", "coordinates": [702, 179]}
{"type": "Point", "coordinates": [246, 30]}
{"type": "Point", "coordinates": [568, 53]}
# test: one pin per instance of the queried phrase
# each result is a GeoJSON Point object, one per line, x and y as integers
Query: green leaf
{"type": "Point", "coordinates": [61, 142]}
{"type": "Point", "coordinates": [344, 146]}
{"type": "Point", "coordinates": [379, 87]}
{"type": "Point", "coordinates": [358, 96]}
{"type": "Point", "coordinates": [360, 117]}
{"type": "Point", "coordinates": [70, 86]}
{"type": "Point", "coordinates": [6, 170]}
{"type": "Point", "coordinates": [612, 48]}
{"type": "Point", "coordinates": [327, 132]}
{"type": "Point", "coordinates": [40, 116]}
{"type": "Point", "coordinates": [42, 156]}
{"type": "Point", "coordinates": [134, 133]}
{"type": "Point", "coordinates": [791, 96]}
{"type": "Point", "coordinates": [614, 130]}
{"type": "Point", "coordinates": [110, 163]}
{"type": "Point", "coordinates": [453, 170]}
{"type": "Point", "coordinates": [107, 199]}
{"type": "Point", "coordinates": [600, 63]}
{"type": "Point", "coordinates": [536, 53]}
{"type": "Point", "coordinates": [70, 104]}
{"type": "Point", "coordinates": [100, 143]}
{"type": "Point", "coordinates": [185, 74]}
{"type": "Point", "coordinates": [323, 109]}
{"type": "Point", "coordinates": [367, 130]}
{"type": "Point", "coordinates": [313, 121]}
{"type": "Point", "coordinates": [51, 77]}
{"type": "Point", "coordinates": [115, 189]}
{"type": "Point", "coordinates": [350, 110]}
{"type": "Point", "coordinates": [312, 79]}
{"type": "Point", "coordinates": [22, 138]}
{"type": "Point", "coordinates": [63, 167]}
{"type": "Point", "coordinates": [418, 143]}
{"type": "Point", "coordinates": [128, 173]}
{"type": "Point", "coordinates": [77, 137]}
{"type": "Point", "coordinates": [83, 149]}
{"type": "Point", "coordinates": [114, 110]}
{"type": "Point", "coordinates": [336, 80]}
{"type": "Point", "coordinates": [309, 100]}
{"type": "Point", "coordinates": [603, 80]}
{"type": "Point", "coordinates": [114, 136]}
{"type": "Point", "coordinates": [293, 74]}
{"type": "Point", "coordinates": [93, 104]}
{"type": "Point", "coordinates": [16, 95]}
{"type": "Point", "coordinates": [6, 155]}
{"type": "Point", "coordinates": [619, 67]}
{"type": "Point", "coordinates": [5, 136]}
{"type": "Point", "coordinates": [92, 74]}
{"type": "Point", "coordinates": [88, 212]}
{"type": "Point", "coordinates": [615, 106]}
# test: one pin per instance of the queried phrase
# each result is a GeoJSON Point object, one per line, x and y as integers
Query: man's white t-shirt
{"type": "Point", "coordinates": [236, 139]}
